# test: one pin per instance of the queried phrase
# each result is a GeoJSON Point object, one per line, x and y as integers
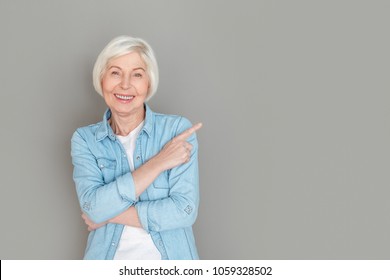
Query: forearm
{"type": "Point", "coordinates": [146, 174]}
{"type": "Point", "coordinates": [128, 218]}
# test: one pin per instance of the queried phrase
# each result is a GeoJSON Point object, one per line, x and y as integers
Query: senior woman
{"type": "Point", "coordinates": [136, 171]}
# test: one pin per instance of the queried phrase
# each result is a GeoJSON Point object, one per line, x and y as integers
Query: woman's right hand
{"type": "Point", "coordinates": [177, 151]}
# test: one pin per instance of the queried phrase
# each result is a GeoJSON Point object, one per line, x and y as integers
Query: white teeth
{"type": "Point", "coordinates": [124, 97]}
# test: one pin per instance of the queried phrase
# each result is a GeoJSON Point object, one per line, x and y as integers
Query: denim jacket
{"type": "Point", "coordinates": [105, 188]}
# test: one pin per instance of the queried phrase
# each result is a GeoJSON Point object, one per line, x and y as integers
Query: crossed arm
{"type": "Point", "coordinates": [175, 153]}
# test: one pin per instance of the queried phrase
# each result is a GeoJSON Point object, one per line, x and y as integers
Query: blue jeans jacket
{"type": "Point", "coordinates": [167, 209]}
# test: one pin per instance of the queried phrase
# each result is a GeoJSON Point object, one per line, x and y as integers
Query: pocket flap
{"type": "Point", "coordinates": [161, 181]}
{"type": "Point", "coordinates": [106, 163]}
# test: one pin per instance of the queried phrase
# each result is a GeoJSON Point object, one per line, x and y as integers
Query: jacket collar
{"type": "Point", "coordinates": [104, 130]}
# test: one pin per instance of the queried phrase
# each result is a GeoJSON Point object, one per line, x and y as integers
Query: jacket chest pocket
{"type": "Point", "coordinates": [107, 167]}
{"type": "Point", "coordinates": [161, 181]}
{"type": "Point", "coordinates": [160, 187]}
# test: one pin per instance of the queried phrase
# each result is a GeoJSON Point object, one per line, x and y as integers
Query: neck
{"type": "Point", "coordinates": [124, 124]}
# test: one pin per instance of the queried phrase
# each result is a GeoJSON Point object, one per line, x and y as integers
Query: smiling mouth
{"type": "Point", "coordinates": [124, 97]}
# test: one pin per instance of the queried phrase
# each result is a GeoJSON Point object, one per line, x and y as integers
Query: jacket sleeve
{"type": "Point", "coordinates": [98, 200]}
{"type": "Point", "coordinates": [180, 208]}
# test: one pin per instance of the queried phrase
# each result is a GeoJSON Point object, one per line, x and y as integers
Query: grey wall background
{"type": "Point", "coordinates": [294, 97]}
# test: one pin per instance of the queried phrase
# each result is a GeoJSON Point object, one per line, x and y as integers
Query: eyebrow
{"type": "Point", "coordinates": [138, 68]}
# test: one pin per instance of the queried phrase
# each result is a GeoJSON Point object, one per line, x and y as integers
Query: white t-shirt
{"type": "Point", "coordinates": [135, 243]}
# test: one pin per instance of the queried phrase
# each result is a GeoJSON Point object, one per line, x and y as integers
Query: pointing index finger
{"type": "Point", "coordinates": [187, 133]}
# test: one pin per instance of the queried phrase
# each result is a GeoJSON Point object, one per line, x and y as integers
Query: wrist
{"type": "Point", "coordinates": [156, 164]}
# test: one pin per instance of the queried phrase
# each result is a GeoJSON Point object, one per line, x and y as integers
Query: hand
{"type": "Point", "coordinates": [177, 151]}
{"type": "Point", "coordinates": [91, 225]}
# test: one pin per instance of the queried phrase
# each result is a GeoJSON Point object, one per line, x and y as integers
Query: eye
{"type": "Point", "coordinates": [137, 75]}
{"type": "Point", "coordinates": [115, 73]}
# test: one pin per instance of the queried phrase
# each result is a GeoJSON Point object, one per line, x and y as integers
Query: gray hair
{"type": "Point", "coordinates": [120, 46]}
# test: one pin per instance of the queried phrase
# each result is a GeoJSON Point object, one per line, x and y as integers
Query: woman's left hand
{"type": "Point", "coordinates": [91, 225]}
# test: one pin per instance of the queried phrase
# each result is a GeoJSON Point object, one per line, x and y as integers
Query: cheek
{"type": "Point", "coordinates": [141, 86]}
{"type": "Point", "coordinates": [107, 85]}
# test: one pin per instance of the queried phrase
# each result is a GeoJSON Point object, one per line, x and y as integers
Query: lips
{"type": "Point", "coordinates": [124, 97]}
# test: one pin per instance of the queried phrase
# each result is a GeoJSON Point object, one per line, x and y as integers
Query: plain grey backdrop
{"type": "Point", "coordinates": [294, 97]}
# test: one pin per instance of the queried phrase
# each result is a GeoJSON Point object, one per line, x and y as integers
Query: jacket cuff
{"type": "Point", "coordinates": [126, 187]}
{"type": "Point", "coordinates": [142, 209]}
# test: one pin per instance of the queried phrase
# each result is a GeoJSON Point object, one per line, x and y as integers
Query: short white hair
{"type": "Point", "coordinates": [124, 45]}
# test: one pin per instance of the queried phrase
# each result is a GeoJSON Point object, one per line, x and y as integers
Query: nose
{"type": "Point", "coordinates": [125, 84]}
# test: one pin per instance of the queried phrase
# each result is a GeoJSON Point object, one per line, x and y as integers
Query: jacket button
{"type": "Point", "coordinates": [138, 157]}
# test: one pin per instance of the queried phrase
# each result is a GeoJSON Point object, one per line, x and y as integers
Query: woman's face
{"type": "Point", "coordinates": [125, 84]}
